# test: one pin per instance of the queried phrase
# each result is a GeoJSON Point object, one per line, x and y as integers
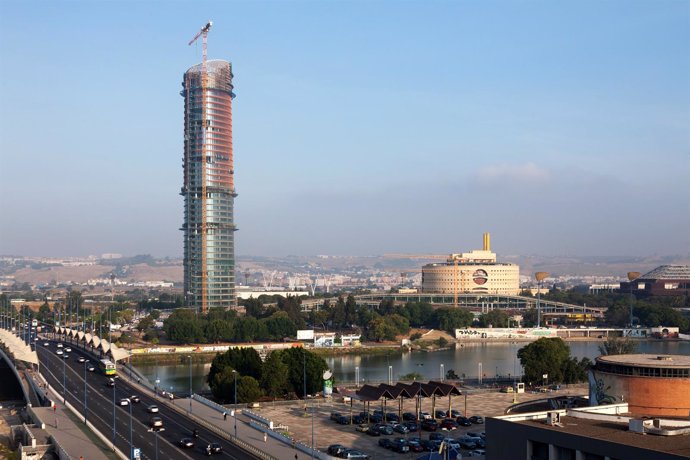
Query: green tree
{"type": "Point", "coordinates": [338, 317]}
{"type": "Point", "coordinates": [617, 315]}
{"type": "Point", "coordinates": [381, 328]}
{"type": "Point", "coordinates": [145, 324]}
{"type": "Point", "coordinates": [449, 319]}
{"type": "Point", "coordinates": [294, 358]}
{"type": "Point", "coordinates": [617, 346]}
{"type": "Point", "coordinates": [222, 385]}
{"type": "Point", "coordinates": [274, 375]}
{"type": "Point", "coordinates": [419, 313]}
{"type": "Point", "coordinates": [218, 330]}
{"type": "Point", "coordinates": [494, 318]}
{"type": "Point", "coordinates": [279, 325]}
{"type": "Point", "coordinates": [248, 389]}
{"type": "Point", "coordinates": [529, 317]}
{"type": "Point", "coordinates": [544, 356]}
{"type": "Point", "coordinates": [350, 310]}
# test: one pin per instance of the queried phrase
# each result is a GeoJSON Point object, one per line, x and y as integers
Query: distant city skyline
{"type": "Point", "coordinates": [359, 128]}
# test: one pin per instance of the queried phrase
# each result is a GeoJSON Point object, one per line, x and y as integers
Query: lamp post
{"type": "Point", "coordinates": [540, 276]}
{"type": "Point", "coordinates": [356, 376]}
{"type": "Point", "coordinates": [190, 383]}
{"type": "Point", "coordinates": [85, 407]}
{"type": "Point", "coordinates": [64, 393]}
{"type": "Point", "coordinates": [632, 276]}
{"type": "Point", "coordinates": [234, 412]}
{"type": "Point", "coordinates": [113, 417]}
{"type": "Point", "coordinates": [441, 373]}
{"type": "Point", "coordinates": [304, 376]}
{"type": "Point", "coordinates": [131, 445]}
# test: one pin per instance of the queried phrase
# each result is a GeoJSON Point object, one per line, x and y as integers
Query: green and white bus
{"type": "Point", "coordinates": [107, 367]}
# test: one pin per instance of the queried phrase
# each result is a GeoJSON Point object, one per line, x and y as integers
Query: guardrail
{"type": "Point", "coordinates": [289, 441]}
{"type": "Point", "coordinates": [211, 404]}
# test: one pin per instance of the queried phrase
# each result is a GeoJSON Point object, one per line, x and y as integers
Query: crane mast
{"type": "Point", "coordinates": [203, 33]}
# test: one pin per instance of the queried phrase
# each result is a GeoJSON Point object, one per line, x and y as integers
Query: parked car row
{"type": "Point", "coordinates": [341, 451]}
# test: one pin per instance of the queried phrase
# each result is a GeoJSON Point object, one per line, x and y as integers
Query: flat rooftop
{"type": "Point", "coordinates": [618, 433]}
{"type": "Point", "coordinates": [647, 360]}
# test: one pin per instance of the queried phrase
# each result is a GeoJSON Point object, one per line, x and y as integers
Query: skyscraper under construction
{"type": "Point", "coordinates": [209, 188]}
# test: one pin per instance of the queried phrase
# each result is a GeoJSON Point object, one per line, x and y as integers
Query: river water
{"type": "Point", "coordinates": [495, 359]}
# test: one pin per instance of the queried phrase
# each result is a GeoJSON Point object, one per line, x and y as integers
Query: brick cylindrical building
{"type": "Point", "coordinates": [650, 384]}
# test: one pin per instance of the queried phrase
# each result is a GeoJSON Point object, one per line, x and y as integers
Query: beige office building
{"type": "Point", "coordinates": [474, 272]}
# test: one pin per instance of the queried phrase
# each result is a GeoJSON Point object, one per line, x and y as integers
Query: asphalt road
{"type": "Point", "coordinates": [100, 409]}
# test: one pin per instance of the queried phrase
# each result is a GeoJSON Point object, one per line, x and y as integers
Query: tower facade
{"type": "Point", "coordinates": [209, 187]}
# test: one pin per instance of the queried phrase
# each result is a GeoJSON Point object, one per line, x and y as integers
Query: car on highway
{"type": "Point", "coordinates": [46, 344]}
{"type": "Point", "coordinates": [81, 359]}
{"type": "Point", "coordinates": [90, 367]}
{"type": "Point", "coordinates": [134, 399]}
{"type": "Point", "coordinates": [59, 345]}
{"type": "Point", "coordinates": [68, 350]}
{"type": "Point", "coordinates": [186, 443]}
{"type": "Point", "coordinates": [155, 422]}
{"type": "Point", "coordinates": [59, 352]}
{"type": "Point", "coordinates": [214, 448]}
{"type": "Point", "coordinates": [110, 383]}
{"type": "Point", "coordinates": [124, 402]}
{"type": "Point", "coordinates": [65, 356]}
{"type": "Point", "coordinates": [152, 409]}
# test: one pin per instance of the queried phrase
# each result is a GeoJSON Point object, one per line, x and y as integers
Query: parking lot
{"type": "Point", "coordinates": [327, 432]}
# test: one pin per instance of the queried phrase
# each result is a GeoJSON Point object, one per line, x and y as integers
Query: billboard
{"type": "Point", "coordinates": [305, 334]}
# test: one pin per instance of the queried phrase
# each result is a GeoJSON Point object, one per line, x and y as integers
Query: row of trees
{"type": "Point", "coordinates": [282, 374]}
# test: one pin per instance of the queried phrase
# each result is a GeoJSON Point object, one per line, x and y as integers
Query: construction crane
{"type": "Point", "coordinates": [203, 33]}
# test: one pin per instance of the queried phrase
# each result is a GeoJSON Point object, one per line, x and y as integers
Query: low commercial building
{"type": "Point", "coordinates": [592, 433]}
{"type": "Point", "coordinates": [665, 280]}
{"type": "Point", "coordinates": [474, 272]}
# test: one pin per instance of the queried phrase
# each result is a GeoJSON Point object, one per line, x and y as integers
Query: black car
{"type": "Point", "coordinates": [454, 413]}
{"type": "Point", "coordinates": [429, 425]}
{"type": "Point", "coordinates": [477, 419]}
{"type": "Point", "coordinates": [214, 448]}
{"type": "Point", "coordinates": [412, 427]}
{"type": "Point", "coordinates": [440, 414]}
{"type": "Point", "coordinates": [401, 428]}
{"type": "Point", "coordinates": [357, 419]}
{"type": "Point", "coordinates": [463, 421]}
{"type": "Point", "coordinates": [186, 443]}
{"type": "Point", "coordinates": [373, 431]}
{"type": "Point", "coordinates": [134, 399]}
{"type": "Point", "coordinates": [343, 420]}
{"type": "Point", "coordinates": [384, 429]}
{"type": "Point", "coordinates": [409, 416]}
{"type": "Point", "coordinates": [427, 445]}
{"type": "Point", "coordinates": [335, 416]}
{"type": "Point", "coordinates": [437, 436]}
{"type": "Point", "coordinates": [376, 418]}
{"type": "Point", "coordinates": [399, 445]}
{"type": "Point", "coordinates": [392, 417]}
{"type": "Point", "coordinates": [110, 383]}
{"type": "Point", "coordinates": [336, 449]}
{"type": "Point", "coordinates": [385, 442]}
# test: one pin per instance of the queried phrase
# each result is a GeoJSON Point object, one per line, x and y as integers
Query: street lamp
{"type": "Point", "coordinates": [441, 369]}
{"type": "Point", "coordinates": [234, 412]}
{"type": "Point", "coordinates": [190, 383]}
{"type": "Point", "coordinates": [85, 407]}
{"type": "Point", "coordinates": [131, 445]}
{"type": "Point", "coordinates": [113, 416]}
{"type": "Point", "coordinates": [540, 276]}
{"type": "Point", "coordinates": [64, 393]}
{"type": "Point", "coordinates": [631, 277]}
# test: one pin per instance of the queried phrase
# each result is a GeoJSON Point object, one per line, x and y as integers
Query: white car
{"type": "Point", "coordinates": [46, 344]}
{"type": "Point", "coordinates": [124, 402]}
{"type": "Point", "coordinates": [68, 350]}
{"type": "Point", "coordinates": [59, 345]}
{"type": "Point", "coordinates": [81, 359]}
{"type": "Point", "coordinates": [90, 368]}
{"type": "Point", "coordinates": [152, 409]}
{"type": "Point", "coordinates": [58, 352]}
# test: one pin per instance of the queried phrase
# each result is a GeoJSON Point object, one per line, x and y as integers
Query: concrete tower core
{"type": "Point", "coordinates": [209, 187]}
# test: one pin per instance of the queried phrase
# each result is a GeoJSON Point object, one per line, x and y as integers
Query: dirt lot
{"type": "Point", "coordinates": [327, 432]}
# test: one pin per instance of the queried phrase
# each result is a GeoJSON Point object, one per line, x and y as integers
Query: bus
{"type": "Point", "coordinates": [107, 367]}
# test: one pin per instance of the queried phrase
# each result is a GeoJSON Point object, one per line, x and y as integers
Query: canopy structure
{"type": "Point", "coordinates": [80, 336]}
{"type": "Point", "coordinates": [118, 353]}
{"type": "Point", "coordinates": [95, 341]}
{"type": "Point", "coordinates": [86, 338]}
{"type": "Point", "coordinates": [104, 346]}
{"type": "Point", "coordinates": [16, 346]}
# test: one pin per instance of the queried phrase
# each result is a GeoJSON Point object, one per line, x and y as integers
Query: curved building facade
{"type": "Point", "coordinates": [209, 188]}
{"type": "Point", "coordinates": [650, 384]}
{"type": "Point", "coordinates": [475, 272]}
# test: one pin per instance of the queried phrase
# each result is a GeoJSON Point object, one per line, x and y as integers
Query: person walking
{"type": "Point", "coordinates": [225, 416]}
{"type": "Point", "coordinates": [265, 437]}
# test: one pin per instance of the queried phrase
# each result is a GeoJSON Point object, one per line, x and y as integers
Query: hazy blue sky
{"type": "Point", "coordinates": [359, 127]}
